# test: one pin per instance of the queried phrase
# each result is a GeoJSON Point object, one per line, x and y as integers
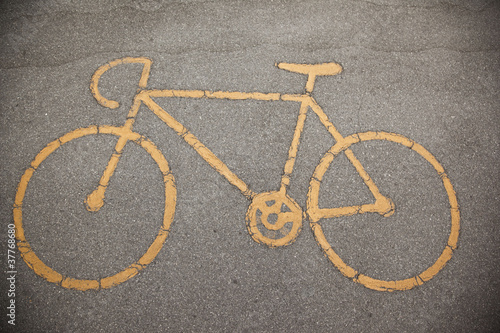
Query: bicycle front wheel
{"type": "Point", "coordinates": [322, 217]}
{"type": "Point", "coordinates": [28, 252]}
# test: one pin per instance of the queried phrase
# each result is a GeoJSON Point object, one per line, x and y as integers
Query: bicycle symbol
{"type": "Point", "coordinates": [273, 218]}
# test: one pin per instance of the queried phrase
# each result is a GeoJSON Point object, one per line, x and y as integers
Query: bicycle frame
{"type": "Point", "coordinates": [382, 204]}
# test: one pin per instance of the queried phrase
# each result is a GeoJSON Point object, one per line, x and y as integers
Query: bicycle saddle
{"type": "Point", "coordinates": [328, 68]}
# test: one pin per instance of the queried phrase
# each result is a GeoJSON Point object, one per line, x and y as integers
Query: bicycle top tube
{"type": "Point", "coordinates": [311, 70]}
{"type": "Point", "coordinates": [233, 95]}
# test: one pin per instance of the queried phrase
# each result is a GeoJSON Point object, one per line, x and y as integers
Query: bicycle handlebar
{"type": "Point", "coordinates": [127, 60]}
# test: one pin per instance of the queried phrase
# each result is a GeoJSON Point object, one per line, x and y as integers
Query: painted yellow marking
{"type": "Point", "coordinates": [84, 284]}
{"type": "Point", "coordinates": [234, 95]}
{"type": "Point", "coordinates": [294, 147]}
{"type": "Point", "coordinates": [203, 151]}
{"type": "Point", "coordinates": [272, 203]}
{"type": "Point", "coordinates": [94, 82]}
{"type": "Point", "coordinates": [242, 96]}
{"type": "Point", "coordinates": [273, 218]}
{"type": "Point", "coordinates": [176, 93]}
{"type": "Point", "coordinates": [95, 200]}
{"type": "Point", "coordinates": [312, 71]}
{"type": "Point", "coordinates": [316, 214]}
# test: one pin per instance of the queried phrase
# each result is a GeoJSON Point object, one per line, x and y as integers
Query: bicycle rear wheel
{"type": "Point", "coordinates": [318, 215]}
{"type": "Point", "coordinates": [51, 275]}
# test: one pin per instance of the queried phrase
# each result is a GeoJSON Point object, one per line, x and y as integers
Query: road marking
{"type": "Point", "coordinates": [273, 218]}
{"type": "Point", "coordinates": [84, 284]}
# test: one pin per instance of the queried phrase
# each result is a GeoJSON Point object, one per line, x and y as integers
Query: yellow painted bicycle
{"type": "Point", "coordinates": [273, 211]}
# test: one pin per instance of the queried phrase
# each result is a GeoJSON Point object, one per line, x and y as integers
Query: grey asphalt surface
{"type": "Point", "coordinates": [427, 70]}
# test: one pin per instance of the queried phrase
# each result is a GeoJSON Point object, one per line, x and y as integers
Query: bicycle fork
{"type": "Point", "coordinates": [95, 200]}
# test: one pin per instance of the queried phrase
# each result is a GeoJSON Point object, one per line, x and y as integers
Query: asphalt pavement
{"type": "Point", "coordinates": [236, 195]}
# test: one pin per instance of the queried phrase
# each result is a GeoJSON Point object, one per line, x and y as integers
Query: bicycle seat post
{"type": "Point", "coordinates": [311, 70]}
{"type": "Point", "coordinates": [311, 79]}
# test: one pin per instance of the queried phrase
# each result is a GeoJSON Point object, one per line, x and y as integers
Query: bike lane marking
{"type": "Point", "coordinates": [259, 201]}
